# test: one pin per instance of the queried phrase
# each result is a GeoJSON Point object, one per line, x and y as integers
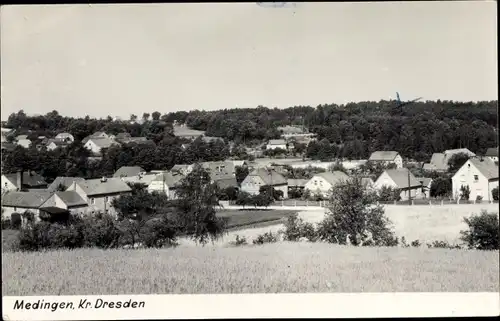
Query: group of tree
{"type": "Point", "coordinates": [148, 219]}
{"type": "Point", "coordinates": [352, 130]}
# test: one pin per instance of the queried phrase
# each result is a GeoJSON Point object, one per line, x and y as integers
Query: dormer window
{"type": "Point", "coordinates": [476, 178]}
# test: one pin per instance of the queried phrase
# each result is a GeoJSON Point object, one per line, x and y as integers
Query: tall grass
{"type": "Point", "coordinates": [273, 268]}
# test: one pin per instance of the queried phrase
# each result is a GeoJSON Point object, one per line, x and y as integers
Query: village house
{"type": "Point", "coordinates": [55, 143]}
{"type": "Point", "coordinates": [492, 153]}
{"type": "Point", "coordinates": [166, 183]}
{"type": "Point", "coordinates": [95, 145]}
{"type": "Point", "coordinates": [439, 161]}
{"type": "Point", "coordinates": [276, 144]}
{"type": "Point", "coordinates": [99, 193]}
{"type": "Point", "coordinates": [65, 137]}
{"type": "Point", "coordinates": [264, 177]}
{"type": "Point", "coordinates": [222, 173]}
{"type": "Point", "coordinates": [322, 183]}
{"type": "Point", "coordinates": [129, 171]}
{"type": "Point", "coordinates": [480, 174]}
{"type": "Point", "coordinates": [62, 183]}
{"type": "Point", "coordinates": [6, 132]}
{"type": "Point", "coordinates": [96, 135]}
{"type": "Point", "coordinates": [386, 158]}
{"type": "Point", "coordinates": [15, 204]}
{"type": "Point", "coordinates": [23, 181]}
{"type": "Point", "coordinates": [398, 178]}
{"type": "Point", "coordinates": [24, 142]}
{"type": "Point", "coordinates": [64, 202]}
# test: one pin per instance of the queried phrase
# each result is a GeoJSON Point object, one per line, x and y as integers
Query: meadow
{"type": "Point", "coordinates": [271, 268]}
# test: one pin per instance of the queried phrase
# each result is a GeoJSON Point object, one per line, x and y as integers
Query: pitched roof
{"type": "Point", "coordinates": [171, 180]}
{"type": "Point", "coordinates": [425, 180]}
{"type": "Point", "coordinates": [491, 152]}
{"type": "Point", "coordinates": [30, 179]}
{"type": "Point", "coordinates": [64, 181]}
{"type": "Point", "coordinates": [291, 129]}
{"type": "Point", "coordinates": [451, 152]}
{"type": "Point", "coordinates": [57, 142]}
{"type": "Point", "coordinates": [383, 156]}
{"type": "Point", "coordinates": [300, 182]}
{"type": "Point", "coordinates": [71, 198]}
{"type": "Point", "coordinates": [219, 169]}
{"type": "Point", "coordinates": [32, 199]}
{"type": "Point", "coordinates": [277, 142]}
{"type": "Point", "coordinates": [486, 166]}
{"type": "Point", "coordinates": [269, 176]}
{"type": "Point", "coordinates": [226, 182]}
{"type": "Point", "coordinates": [127, 171]}
{"type": "Point", "coordinates": [109, 186]}
{"type": "Point", "coordinates": [145, 179]}
{"type": "Point", "coordinates": [333, 177]}
{"type": "Point", "coordinates": [102, 142]}
{"type": "Point", "coordinates": [400, 177]}
{"type": "Point", "coordinates": [438, 161]}
{"type": "Point", "coordinates": [180, 167]}
{"type": "Point", "coordinates": [64, 135]}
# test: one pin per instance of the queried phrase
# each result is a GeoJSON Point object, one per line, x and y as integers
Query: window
{"type": "Point", "coordinates": [106, 199]}
{"type": "Point", "coordinates": [15, 209]}
{"type": "Point", "coordinates": [92, 201]}
{"type": "Point", "coordinates": [476, 178]}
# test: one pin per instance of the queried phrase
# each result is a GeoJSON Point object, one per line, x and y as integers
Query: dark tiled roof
{"type": "Point", "coordinates": [30, 179]}
{"type": "Point", "coordinates": [31, 199]}
{"type": "Point", "coordinates": [71, 198]}
{"type": "Point", "coordinates": [492, 152]}
{"type": "Point", "coordinates": [64, 181]}
{"type": "Point", "coordinates": [127, 171]}
{"type": "Point", "coordinates": [383, 156]}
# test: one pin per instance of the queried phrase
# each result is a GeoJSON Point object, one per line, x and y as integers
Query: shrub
{"type": "Point", "coordinates": [483, 231]}
{"type": "Point", "coordinates": [465, 192]}
{"type": "Point", "coordinates": [239, 241]}
{"type": "Point", "coordinates": [6, 223]}
{"type": "Point", "coordinates": [494, 193]}
{"type": "Point", "coordinates": [443, 245]}
{"type": "Point", "coordinates": [267, 237]}
{"type": "Point", "coordinates": [415, 243]}
{"type": "Point", "coordinates": [389, 194]}
{"type": "Point", "coordinates": [479, 198]}
{"type": "Point", "coordinates": [353, 218]}
{"type": "Point", "coordinates": [100, 231]}
{"type": "Point", "coordinates": [296, 228]}
{"type": "Point", "coordinates": [44, 235]}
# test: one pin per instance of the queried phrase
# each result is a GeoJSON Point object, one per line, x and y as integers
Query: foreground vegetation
{"type": "Point", "coordinates": [270, 268]}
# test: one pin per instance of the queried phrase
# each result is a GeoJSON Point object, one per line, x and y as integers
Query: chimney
{"type": "Point", "coordinates": [104, 179]}
{"type": "Point", "coordinates": [19, 180]}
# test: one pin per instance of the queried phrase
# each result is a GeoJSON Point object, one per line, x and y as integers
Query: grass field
{"type": "Point", "coordinates": [239, 219]}
{"type": "Point", "coordinates": [272, 268]}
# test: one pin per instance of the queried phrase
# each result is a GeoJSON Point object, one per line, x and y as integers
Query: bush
{"type": "Point", "coordinates": [483, 231]}
{"type": "Point", "coordinates": [6, 224]}
{"type": "Point", "coordinates": [44, 235]}
{"type": "Point", "coordinates": [296, 229]}
{"type": "Point", "coordinates": [479, 198]}
{"type": "Point", "coordinates": [494, 193]}
{"type": "Point", "coordinates": [239, 241]}
{"type": "Point", "coordinates": [443, 245]}
{"type": "Point", "coordinates": [268, 237]}
{"type": "Point", "coordinates": [389, 194]}
{"type": "Point", "coordinates": [465, 192]}
{"type": "Point", "coordinates": [100, 231]}
{"type": "Point", "coordinates": [353, 218]}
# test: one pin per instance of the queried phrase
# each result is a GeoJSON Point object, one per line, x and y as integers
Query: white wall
{"type": "Point", "coordinates": [318, 185]}
{"type": "Point", "coordinates": [283, 146]}
{"type": "Point", "coordinates": [386, 180]}
{"type": "Point", "coordinates": [466, 176]}
{"type": "Point", "coordinates": [398, 161]}
{"type": "Point", "coordinates": [7, 184]}
{"type": "Point", "coordinates": [252, 183]}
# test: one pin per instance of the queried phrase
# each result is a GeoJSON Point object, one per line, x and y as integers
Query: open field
{"type": "Point", "coordinates": [272, 268]}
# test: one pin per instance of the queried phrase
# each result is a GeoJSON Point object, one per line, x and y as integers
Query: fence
{"type": "Point", "coordinates": [418, 202]}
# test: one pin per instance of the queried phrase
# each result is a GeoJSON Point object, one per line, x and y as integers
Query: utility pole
{"type": "Point", "coordinates": [409, 188]}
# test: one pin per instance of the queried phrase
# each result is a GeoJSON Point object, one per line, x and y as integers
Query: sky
{"type": "Point", "coordinates": [112, 59]}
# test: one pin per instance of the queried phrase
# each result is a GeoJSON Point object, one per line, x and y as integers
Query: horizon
{"type": "Point", "coordinates": [161, 61]}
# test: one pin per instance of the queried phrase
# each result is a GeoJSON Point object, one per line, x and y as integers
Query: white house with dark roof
{"type": "Point", "coordinates": [64, 202]}
{"type": "Point", "coordinates": [439, 161]}
{"type": "Point", "coordinates": [55, 143]}
{"type": "Point", "coordinates": [95, 145]}
{"type": "Point", "coordinates": [277, 143]}
{"type": "Point", "coordinates": [27, 180]}
{"type": "Point", "coordinates": [264, 177]}
{"type": "Point", "coordinates": [386, 158]}
{"type": "Point", "coordinates": [398, 178]}
{"type": "Point", "coordinates": [322, 183]}
{"type": "Point", "coordinates": [492, 153]}
{"type": "Point", "coordinates": [480, 174]}
{"type": "Point", "coordinates": [14, 204]}
{"type": "Point", "coordinates": [166, 182]}
{"type": "Point", "coordinates": [99, 193]}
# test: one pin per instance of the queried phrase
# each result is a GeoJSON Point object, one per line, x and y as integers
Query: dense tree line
{"type": "Point", "coordinates": [350, 131]}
